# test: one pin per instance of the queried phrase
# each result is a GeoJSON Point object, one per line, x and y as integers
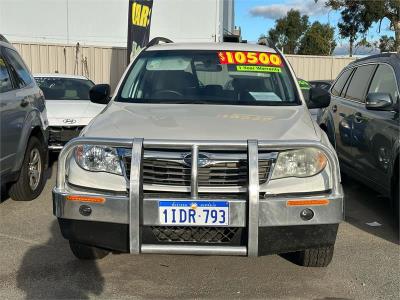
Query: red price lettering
{"type": "Point", "coordinates": [249, 58]}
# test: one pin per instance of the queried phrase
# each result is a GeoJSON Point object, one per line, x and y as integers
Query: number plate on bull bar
{"type": "Point", "coordinates": [194, 213]}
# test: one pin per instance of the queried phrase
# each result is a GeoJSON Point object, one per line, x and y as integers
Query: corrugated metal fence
{"type": "Point", "coordinates": [100, 64]}
{"type": "Point", "coordinates": [106, 64]}
{"type": "Point", "coordinates": [310, 67]}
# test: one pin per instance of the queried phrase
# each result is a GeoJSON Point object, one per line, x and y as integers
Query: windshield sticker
{"type": "Point", "coordinates": [168, 64]}
{"type": "Point", "coordinates": [249, 58]}
{"type": "Point", "coordinates": [304, 85]}
{"type": "Point", "coordinates": [265, 96]}
{"type": "Point", "coordinates": [258, 69]}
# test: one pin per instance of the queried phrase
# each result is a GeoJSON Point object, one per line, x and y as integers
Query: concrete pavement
{"type": "Point", "coordinates": [36, 262]}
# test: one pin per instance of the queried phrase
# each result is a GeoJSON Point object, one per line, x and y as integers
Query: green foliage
{"type": "Point", "coordinates": [387, 44]}
{"type": "Point", "coordinates": [288, 31]}
{"type": "Point", "coordinates": [319, 39]}
{"type": "Point", "coordinates": [353, 19]}
{"type": "Point", "coordinates": [358, 16]}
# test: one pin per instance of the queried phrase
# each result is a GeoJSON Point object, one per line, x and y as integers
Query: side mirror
{"type": "Point", "coordinates": [379, 101]}
{"type": "Point", "coordinates": [319, 98]}
{"type": "Point", "coordinates": [100, 94]}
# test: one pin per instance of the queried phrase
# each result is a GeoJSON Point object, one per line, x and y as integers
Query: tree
{"type": "Point", "coordinates": [387, 44]}
{"type": "Point", "coordinates": [369, 12]}
{"type": "Point", "coordinates": [353, 20]}
{"type": "Point", "coordinates": [319, 39]}
{"type": "Point", "coordinates": [377, 10]}
{"type": "Point", "coordinates": [288, 31]}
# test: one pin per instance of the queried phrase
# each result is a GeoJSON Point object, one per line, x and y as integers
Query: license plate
{"type": "Point", "coordinates": [195, 213]}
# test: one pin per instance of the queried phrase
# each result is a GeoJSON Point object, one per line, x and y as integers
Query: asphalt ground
{"type": "Point", "coordinates": [35, 262]}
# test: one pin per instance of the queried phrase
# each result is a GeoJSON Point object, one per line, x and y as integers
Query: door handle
{"type": "Point", "coordinates": [24, 102]}
{"type": "Point", "coordinates": [358, 117]}
{"type": "Point", "coordinates": [334, 108]}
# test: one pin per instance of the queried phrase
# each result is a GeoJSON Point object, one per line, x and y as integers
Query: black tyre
{"type": "Point", "coordinates": [31, 181]}
{"type": "Point", "coordinates": [82, 251]}
{"type": "Point", "coordinates": [315, 257]}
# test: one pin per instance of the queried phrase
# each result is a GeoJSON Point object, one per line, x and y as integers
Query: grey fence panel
{"type": "Point", "coordinates": [107, 64]}
{"type": "Point", "coordinates": [310, 67]}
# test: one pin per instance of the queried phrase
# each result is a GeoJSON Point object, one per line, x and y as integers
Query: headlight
{"type": "Point", "coordinates": [98, 159]}
{"type": "Point", "coordinates": [299, 163]}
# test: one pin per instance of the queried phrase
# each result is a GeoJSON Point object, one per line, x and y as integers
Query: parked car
{"type": "Point", "coordinates": [181, 162]}
{"type": "Point", "coordinates": [305, 87]}
{"type": "Point", "coordinates": [68, 106]}
{"type": "Point", "coordinates": [362, 122]}
{"type": "Point", "coordinates": [23, 127]}
{"type": "Point", "coordinates": [323, 84]}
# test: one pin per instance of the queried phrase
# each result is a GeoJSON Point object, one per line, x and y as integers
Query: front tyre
{"type": "Point", "coordinates": [31, 181]}
{"type": "Point", "coordinates": [86, 252]}
{"type": "Point", "coordinates": [315, 257]}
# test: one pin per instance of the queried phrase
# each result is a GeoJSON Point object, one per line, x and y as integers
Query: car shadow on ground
{"type": "Point", "coordinates": [50, 271]}
{"type": "Point", "coordinates": [369, 211]}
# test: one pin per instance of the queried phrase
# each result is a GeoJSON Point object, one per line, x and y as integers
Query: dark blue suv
{"type": "Point", "coordinates": [362, 122]}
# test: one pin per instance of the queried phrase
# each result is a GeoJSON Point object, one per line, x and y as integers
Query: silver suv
{"type": "Point", "coordinates": [205, 149]}
{"type": "Point", "coordinates": [23, 127]}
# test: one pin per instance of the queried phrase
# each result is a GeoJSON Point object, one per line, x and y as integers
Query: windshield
{"type": "Point", "coordinates": [211, 77]}
{"type": "Point", "coordinates": [58, 88]}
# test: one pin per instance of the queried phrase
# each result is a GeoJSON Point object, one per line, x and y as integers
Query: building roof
{"type": "Point", "coordinates": [211, 46]}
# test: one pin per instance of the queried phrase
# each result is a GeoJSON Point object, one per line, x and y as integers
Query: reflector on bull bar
{"type": "Point", "coordinates": [136, 196]}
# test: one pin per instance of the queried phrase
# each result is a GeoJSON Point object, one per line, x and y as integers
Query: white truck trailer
{"type": "Point", "coordinates": [105, 23]}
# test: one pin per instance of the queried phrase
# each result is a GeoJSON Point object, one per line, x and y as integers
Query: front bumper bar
{"type": "Point", "coordinates": [253, 213]}
{"type": "Point", "coordinates": [272, 211]}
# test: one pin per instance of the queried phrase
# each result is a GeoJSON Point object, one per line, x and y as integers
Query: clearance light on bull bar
{"type": "Point", "coordinates": [98, 159]}
{"type": "Point", "coordinates": [304, 162]}
{"type": "Point", "coordinates": [89, 199]}
{"type": "Point", "coordinates": [307, 202]}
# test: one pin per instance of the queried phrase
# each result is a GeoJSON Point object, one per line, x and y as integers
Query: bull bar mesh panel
{"type": "Point", "coordinates": [194, 234]}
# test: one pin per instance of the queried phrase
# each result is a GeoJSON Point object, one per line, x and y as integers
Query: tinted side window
{"type": "Point", "coordinates": [384, 81]}
{"type": "Point", "coordinates": [359, 83]}
{"type": "Point", "coordinates": [18, 68]}
{"type": "Point", "coordinates": [337, 88]}
{"type": "Point", "coordinates": [5, 80]}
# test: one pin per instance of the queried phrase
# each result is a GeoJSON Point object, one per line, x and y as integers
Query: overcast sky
{"type": "Point", "coordinates": [256, 17]}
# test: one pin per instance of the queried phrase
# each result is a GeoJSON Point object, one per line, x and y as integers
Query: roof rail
{"type": "Point", "coordinates": [157, 41]}
{"type": "Point", "coordinates": [273, 46]}
{"type": "Point", "coordinates": [380, 55]}
{"type": "Point", "coordinates": [3, 39]}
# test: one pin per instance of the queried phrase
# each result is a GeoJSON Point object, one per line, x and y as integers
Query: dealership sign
{"type": "Point", "coordinates": [138, 25]}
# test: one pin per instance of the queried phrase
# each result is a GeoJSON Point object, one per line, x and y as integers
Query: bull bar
{"type": "Point", "coordinates": [134, 210]}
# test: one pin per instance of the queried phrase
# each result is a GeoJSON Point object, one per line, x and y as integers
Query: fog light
{"type": "Point", "coordinates": [307, 214]}
{"type": "Point", "coordinates": [85, 210]}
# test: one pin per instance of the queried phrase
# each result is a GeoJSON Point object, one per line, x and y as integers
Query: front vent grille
{"type": "Point", "coordinates": [63, 134]}
{"type": "Point", "coordinates": [222, 170]}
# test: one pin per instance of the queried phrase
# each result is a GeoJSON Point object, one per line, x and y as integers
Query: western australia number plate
{"type": "Point", "coordinates": [194, 213]}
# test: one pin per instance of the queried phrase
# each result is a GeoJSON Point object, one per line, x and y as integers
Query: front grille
{"type": "Point", "coordinates": [63, 134]}
{"type": "Point", "coordinates": [194, 234]}
{"type": "Point", "coordinates": [219, 172]}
